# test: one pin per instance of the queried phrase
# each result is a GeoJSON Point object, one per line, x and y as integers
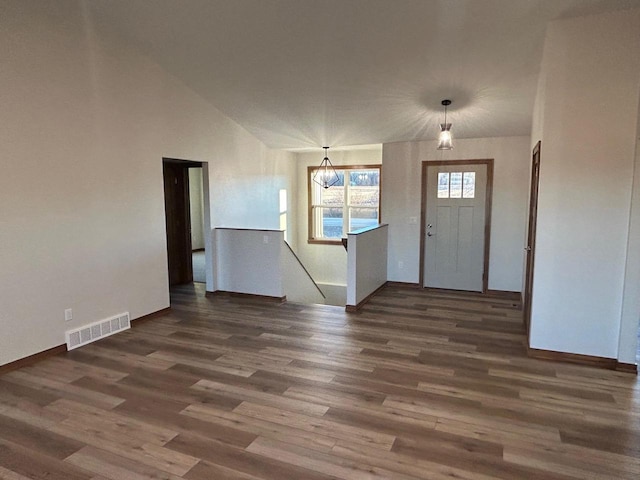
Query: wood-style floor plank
{"type": "Point", "coordinates": [418, 385]}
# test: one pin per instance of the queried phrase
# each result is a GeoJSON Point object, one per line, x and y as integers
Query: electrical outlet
{"type": "Point", "coordinates": [400, 264]}
{"type": "Point", "coordinates": [265, 238]}
{"type": "Point", "coordinates": [413, 220]}
{"type": "Point", "coordinates": [68, 315]}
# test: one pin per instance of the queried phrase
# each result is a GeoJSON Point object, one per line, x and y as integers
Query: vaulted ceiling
{"type": "Point", "coordinates": [307, 73]}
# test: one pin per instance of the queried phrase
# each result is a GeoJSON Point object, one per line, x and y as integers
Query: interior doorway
{"type": "Point", "coordinates": [179, 208]}
{"type": "Point", "coordinates": [530, 249]}
{"type": "Point", "coordinates": [456, 224]}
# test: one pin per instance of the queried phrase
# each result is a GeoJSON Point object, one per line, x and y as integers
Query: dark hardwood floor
{"type": "Point", "coordinates": [419, 385]}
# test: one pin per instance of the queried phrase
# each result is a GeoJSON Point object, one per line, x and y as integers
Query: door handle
{"type": "Point", "coordinates": [429, 234]}
{"type": "Point", "coordinates": [527, 248]}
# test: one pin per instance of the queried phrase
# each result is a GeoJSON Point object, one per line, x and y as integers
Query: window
{"type": "Point", "coordinates": [351, 204]}
{"type": "Point", "coordinates": [283, 212]}
{"type": "Point", "coordinates": [456, 185]}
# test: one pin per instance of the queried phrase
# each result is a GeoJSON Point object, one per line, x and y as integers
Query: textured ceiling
{"type": "Point", "coordinates": [307, 73]}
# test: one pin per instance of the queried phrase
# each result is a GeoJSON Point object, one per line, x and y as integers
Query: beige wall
{"type": "Point", "coordinates": [401, 203]}
{"type": "Point", "coordinates": [587, 109]}
{"type": "Point", "coordinates": [85, 124]}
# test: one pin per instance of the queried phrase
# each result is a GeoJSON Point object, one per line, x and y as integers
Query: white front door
{"type": "Point", "coordinates": [455, 226]}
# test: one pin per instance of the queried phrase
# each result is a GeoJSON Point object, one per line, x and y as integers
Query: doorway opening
{"type": "Point", "coordinates": [186, 208]}
{"type": "Point", "coordinates": [455, 228]}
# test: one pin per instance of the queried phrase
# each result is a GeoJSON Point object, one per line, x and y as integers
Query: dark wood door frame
{"type": "Point", "coordinates": [531, 237]}
{"type": "Point", "coordinates": [487, 213]}
{"type": "Point", "coordinates": [178, 219]}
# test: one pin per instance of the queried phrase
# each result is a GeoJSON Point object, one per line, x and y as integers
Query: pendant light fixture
{"type": "Point", "coordinates": [326, 175]}
{"type": "Point", "coordinates": [445, 141]}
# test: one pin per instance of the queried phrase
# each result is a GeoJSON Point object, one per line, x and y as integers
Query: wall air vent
{"type": "Point", "coordinates": [94, 331]}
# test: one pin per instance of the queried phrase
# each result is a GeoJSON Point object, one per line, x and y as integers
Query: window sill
{"type": "Point", "coordinates": [319, 241]}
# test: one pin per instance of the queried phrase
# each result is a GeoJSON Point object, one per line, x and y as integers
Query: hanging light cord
{"type": "Point", "coordinates": [326, 165]}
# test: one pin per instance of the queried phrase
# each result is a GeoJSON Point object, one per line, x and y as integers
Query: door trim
{"type": "Point", "coordinates": [183, 166]}
{"type": "Point", "coordinates": [530, 255]}
{"type": "Point", "coordinates": [487, 212]}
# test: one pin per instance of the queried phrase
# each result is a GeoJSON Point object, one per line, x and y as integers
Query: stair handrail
{"type": "Point", "coordinates": [304, 268]}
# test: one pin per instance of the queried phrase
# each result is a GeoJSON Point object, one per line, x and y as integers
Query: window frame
{"type": "Point", "coordinates": [449, 195]}
{"type": "Point", "coordinates": [310, 170]}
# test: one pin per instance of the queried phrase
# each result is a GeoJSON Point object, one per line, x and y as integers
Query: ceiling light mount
{"type": "Point", "coordinates": [445, 141]}
{"type": "Point", "coordinates": [325, 175]}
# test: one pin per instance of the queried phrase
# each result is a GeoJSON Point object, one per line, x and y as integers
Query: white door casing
{"type": "Point", "coordinates": [454, 239]}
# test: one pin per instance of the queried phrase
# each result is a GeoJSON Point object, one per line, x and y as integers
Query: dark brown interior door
{"type": "Point", "coordinates": [531, 238]}
{"type": "Point", "coordinates": [178, 220]}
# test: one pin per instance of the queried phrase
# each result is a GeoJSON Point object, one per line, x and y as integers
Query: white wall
{"type": "Point", "coordinates": [401, 203]}
{"type": "Point", "coordinates": [196, 208]}
{"type": "Point", "coordinates": [259, 262]}
{"type": "Point", "coordinates": [245, 180]}
{"type": "Point", "coordinates": [630, 319]}
{"type": "Point", "coordinates": [286, 177]}
{"type": "Point", "coordinates": [366, 263]}
{"type": "Point", "coordinates": [249, 261]}
{"type": "Point", "coordinates": [85, 122]}
{"type": "Point", "coordinates": [588, 109]}
{"type": "Point", "coordinates": [326, 263]}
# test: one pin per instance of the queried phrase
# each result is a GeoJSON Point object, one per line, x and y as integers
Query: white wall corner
{"type": "Point", "coordinates": [630, 312]}
{"type": "Point", "coordinates": [585, 257]}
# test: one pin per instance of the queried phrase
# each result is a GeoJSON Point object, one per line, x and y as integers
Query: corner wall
{"type": "Point", "coordinates": [630, 318]}
{"type": "Point", "coordinates": [85, 123]}
{"type": "Point", "coordinates": [401, 203]}
{"type": "Point", "coordinates": [587, 108]}
{"type": "Point", "coordinates": [366, 263]}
